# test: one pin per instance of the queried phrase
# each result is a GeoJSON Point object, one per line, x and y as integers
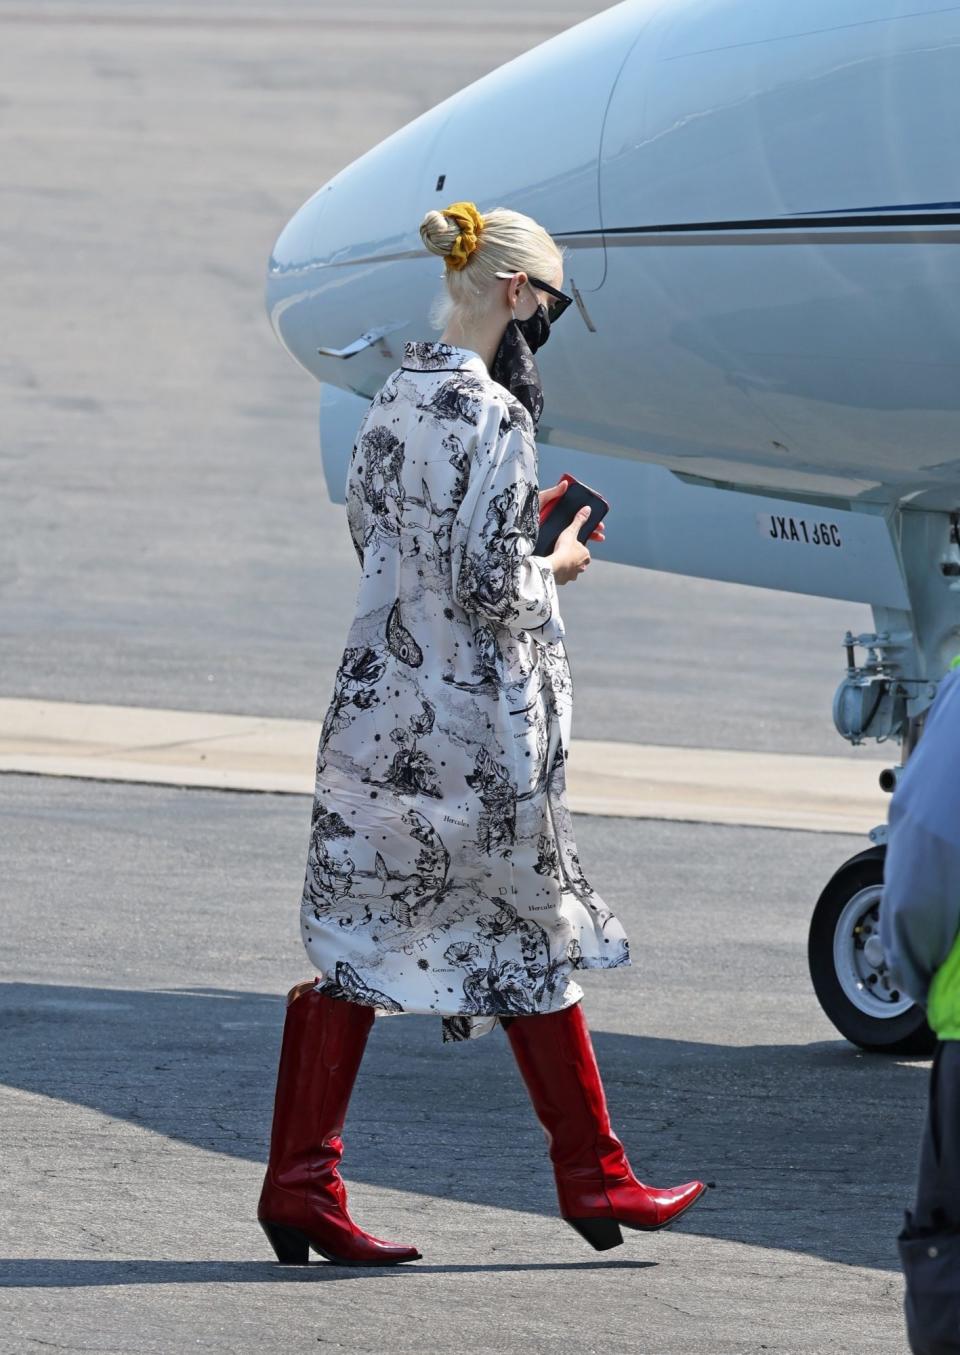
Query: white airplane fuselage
{"type": "Point", "coordinates": [760, 206]}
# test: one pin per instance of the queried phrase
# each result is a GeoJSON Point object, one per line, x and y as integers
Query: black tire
{"type": "Point", "coordinates": [907, 1033]}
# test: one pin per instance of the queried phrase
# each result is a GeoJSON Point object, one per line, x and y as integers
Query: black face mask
{"type": "Point", "coordinates": [513, 365]}
{"type": "Point", "coordinates": [536, 328]}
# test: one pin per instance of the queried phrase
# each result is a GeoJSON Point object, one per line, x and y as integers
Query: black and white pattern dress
{"type": "Point", "coordinates": [442, 873]}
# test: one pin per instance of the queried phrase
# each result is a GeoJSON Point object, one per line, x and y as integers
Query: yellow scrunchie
{"type": "Point", "coordinates": [470, 221]}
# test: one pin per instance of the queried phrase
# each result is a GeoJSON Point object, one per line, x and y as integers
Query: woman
{"type": "Point", "coordinates": [442, 874]}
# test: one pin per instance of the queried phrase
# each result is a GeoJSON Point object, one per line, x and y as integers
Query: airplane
{"type": "Point", "coordinates": [759, 208]}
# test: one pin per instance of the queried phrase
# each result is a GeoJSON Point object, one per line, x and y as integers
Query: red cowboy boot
{"type": "Point", "coordinates": [303, 1203]}
{"type": "Point", "coordinates": [597, 1190]}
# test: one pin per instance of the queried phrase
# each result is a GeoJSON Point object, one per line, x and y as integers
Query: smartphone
{"type": "Point", "coordinates": [561, 512]}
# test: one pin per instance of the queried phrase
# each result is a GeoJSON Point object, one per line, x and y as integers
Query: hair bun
{"type": "Point", "coordinates": [437, 233]}
{"type": "Point", "coordinates": [454, 233]}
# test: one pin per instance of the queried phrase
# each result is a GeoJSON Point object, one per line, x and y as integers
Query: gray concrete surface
{"type": "Point", "coordinates": [146, 935]}
{"type": "Point", "coordinates": [167, 541]}
{"type": "Point", "coordinates": [167, 537]}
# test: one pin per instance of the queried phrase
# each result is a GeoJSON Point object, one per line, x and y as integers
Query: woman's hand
{"type": "Point", "coordinates": [570, 556]}
{"type": "Point", "coordinates": [547, 496]}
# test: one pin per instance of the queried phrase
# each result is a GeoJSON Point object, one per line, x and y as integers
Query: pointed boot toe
{"type": "Point", "coordinates": [298, 1223]}
{"type": "Point", "coordinates": [356, 1248]}
{"type": "Point", "coordinates": [665, 1205]}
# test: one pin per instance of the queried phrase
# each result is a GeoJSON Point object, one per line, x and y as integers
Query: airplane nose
{"type": "Point", "coordinates": [351, 260]}
{"type": "Point", "coordinates": [333, 268]}
{"type": "Point", "coordinates": [298, 251]}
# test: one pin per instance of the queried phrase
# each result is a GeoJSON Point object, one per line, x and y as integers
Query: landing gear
{"type": "Point", "coordinates": [886, 697]}
{"type": "Point", "coordinates": [849, 976]}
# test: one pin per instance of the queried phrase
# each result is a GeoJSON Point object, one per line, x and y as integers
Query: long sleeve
{"type": "Point", "coordinates": [353, 496]}
{"type": "Point", "coordinates": [355, 520]}
{"type": "Point", "coordinates": [495, 572]}
{"type": "Point", "coordinates": [920, 909]}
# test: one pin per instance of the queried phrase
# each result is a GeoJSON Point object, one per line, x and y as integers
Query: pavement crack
{"type": "Point", "coordinates": [94, 1350]}
{"type": "Point", "coordinates": [229, 1129]}
{"type": "Point", "coordinates": [674, 1306]}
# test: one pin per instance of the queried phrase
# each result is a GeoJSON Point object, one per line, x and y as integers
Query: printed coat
{"type": "Point", "coordinates": [442, 873]}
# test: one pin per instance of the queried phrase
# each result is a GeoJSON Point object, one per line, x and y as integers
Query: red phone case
{"type": "Point", "coordinates": [568, 477]}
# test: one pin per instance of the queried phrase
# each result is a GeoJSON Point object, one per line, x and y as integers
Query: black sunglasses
{"type": "Point", "coordinates": [557, 305]}
{"type": "Point", "coordinates": [561, 302]}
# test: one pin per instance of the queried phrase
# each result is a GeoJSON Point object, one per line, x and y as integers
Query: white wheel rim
{"type": "Point", "coordinates": [868, 986]}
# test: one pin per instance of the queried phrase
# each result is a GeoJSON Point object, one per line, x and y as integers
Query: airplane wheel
{"type": "Point", "coordinates": [847, 967]}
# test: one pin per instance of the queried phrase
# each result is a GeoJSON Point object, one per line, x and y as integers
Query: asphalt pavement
{"type": "Point", "coordinates": [167, 541]}
{"type": "Point", "coordinates": [148, 937]}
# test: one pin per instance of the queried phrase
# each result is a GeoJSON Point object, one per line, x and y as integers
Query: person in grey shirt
{"type": "Point", "coordinates": [920, 932]}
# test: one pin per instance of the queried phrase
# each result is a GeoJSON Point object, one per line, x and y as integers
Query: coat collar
{"type": "Point", "coordinates": [430, 356]}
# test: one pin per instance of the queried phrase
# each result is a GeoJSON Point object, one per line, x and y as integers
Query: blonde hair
{"type": "Point", "coordinates": [500, 241]}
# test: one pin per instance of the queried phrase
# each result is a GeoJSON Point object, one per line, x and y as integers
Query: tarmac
{"type": "Point", "coordinates": [175, 590]}
{"type": "Point", "coordinates": [150, 933]}
{"type": "Point", "coordinates": [642, 781]}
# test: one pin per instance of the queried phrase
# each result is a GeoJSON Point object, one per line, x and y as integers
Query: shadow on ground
{"type": "Point", "coordinates": [43, 1273]}
{"type": "Point", "coordinates": [805, 1143]}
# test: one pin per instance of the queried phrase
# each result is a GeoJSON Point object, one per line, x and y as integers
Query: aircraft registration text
{"type": "Point", "coordinates": [801, 530]}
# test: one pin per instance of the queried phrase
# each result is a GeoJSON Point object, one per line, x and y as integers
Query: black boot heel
{"type": "Point", "coordinates": [291, 1246]}
{"type": "Point", "coordinates": [602, 1234]}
